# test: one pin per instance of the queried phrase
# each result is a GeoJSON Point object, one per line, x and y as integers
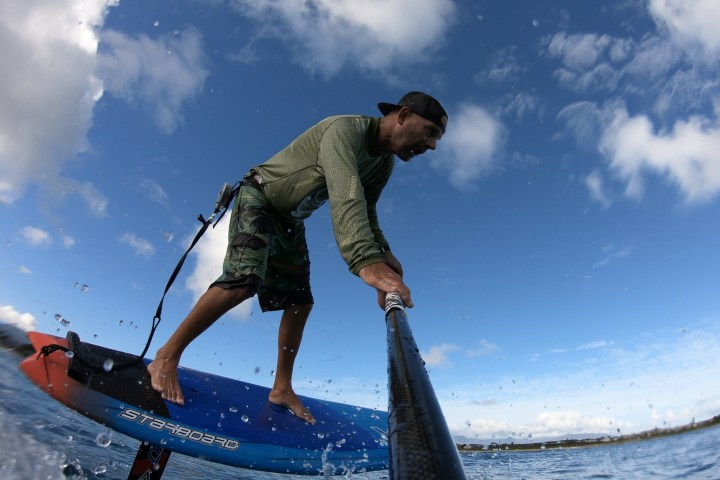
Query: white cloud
{"type": "Point", "coordinates": [437, 356]}
{"type": "Point", "coordinates": [159, 75]}
{"type": "Point", "coordinates": [688, 155]}
{"type": "Point", "coordinates": [584, 121]}
{"type": "Point", "coordinates": [47, 97]}
{"type": "Point", "coordinates": [24, 270]}
{"type": "Point", "coordinates": [370, 35]}
{"type": "Point", "coordinates": [503, 69]}
{"type": "Point", "coordinates": [597, 344]}
{"type": "Point", "coordinates": [140, 245]}
{"type": "Point", "coordinates": [612, 253]}
{"type": "Point", "coordinates": [485, 348]}
{"type": "Point", "coordinates": [595, 185]}
{"type": "Point", "coordinates": [666, 380]}
{"type": "Point", "coordinates": [209, 254]}
{"type": "Point", "coordinates": [675, 73]}
{"type": "Point", "coordinates": [522, 105]}
{"type": "Point", "coordinates": [591, 62]}
{"type": "Point", "coordinates": [692, 24]}
{"type": "Point", "coordinates": [35, 237]}
{"type": "Point", "coordinates": [155, 192]}
{"type": "Point", "coordinates": [24, 321]}
{"type": "Point", "coordinates": [580, 52]}
{"type": "Point", "coordinates": [57, 76]}
{"type": "Point", "coordinates": [68, 241]}
{"type": "Point", "coordinates": [468, 150]}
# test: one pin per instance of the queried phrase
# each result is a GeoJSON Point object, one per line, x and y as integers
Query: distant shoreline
{"type": "Point", "coordinates": [590, 442]}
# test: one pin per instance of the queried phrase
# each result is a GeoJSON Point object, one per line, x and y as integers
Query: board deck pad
{"type": "Point", "coordinates": [223, 420]}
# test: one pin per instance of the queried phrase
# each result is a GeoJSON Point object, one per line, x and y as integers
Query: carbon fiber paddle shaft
{"type": "Point", "coordinates": [421, 446]}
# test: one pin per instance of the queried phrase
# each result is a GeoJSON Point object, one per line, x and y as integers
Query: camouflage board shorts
{"type": "Point", "coordinates": [265, 254]}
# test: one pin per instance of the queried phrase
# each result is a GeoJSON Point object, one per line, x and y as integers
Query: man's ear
{"type": "Point", "coordinates": [403, 115]}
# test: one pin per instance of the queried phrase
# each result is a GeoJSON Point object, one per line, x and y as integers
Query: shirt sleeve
{"type": "Point", "coordinates": [337, 156]}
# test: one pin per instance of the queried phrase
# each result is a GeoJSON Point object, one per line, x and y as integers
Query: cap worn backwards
{"type": "Point", "coordinates": [422, 104]}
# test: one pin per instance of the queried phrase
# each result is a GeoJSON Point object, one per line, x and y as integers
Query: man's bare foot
{"type": "Point", "coordinates": [288, 399]}
{"type": "Point", "coordinates": [164, 379]}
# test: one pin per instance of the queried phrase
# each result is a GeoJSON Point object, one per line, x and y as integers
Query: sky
{"type": "Point", "coordinates": [561, 243]}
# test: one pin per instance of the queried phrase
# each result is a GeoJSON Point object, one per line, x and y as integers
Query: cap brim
{"type": "Point", "coordinates": [386, 108]}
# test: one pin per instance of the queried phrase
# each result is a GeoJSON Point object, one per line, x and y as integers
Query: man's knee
{"type": "Point", "coordinates": [302, 311]}
{"type": "Point", "coordinates": [233, 296]}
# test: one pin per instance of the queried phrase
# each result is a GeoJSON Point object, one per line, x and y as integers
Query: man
{"type": "Point", "coordinates": [345, 159]}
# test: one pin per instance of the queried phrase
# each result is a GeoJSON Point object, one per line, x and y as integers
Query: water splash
{"type": "Point", "coordinates": [108, 364]}
{"type": "Point", "coordinates": [62, 320]}
{"type": "Point", "coordinates": [104, 439]}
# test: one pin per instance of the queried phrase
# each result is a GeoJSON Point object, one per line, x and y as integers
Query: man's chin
{"type": "Point", "coordinates": [406, 156]}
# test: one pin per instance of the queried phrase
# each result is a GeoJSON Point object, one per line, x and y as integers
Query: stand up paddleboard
{"type": "Point", "coordinates": [223, 420]}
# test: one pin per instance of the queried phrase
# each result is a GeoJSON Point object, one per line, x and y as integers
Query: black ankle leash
{"type": "Point", "coordinates": [227, 193]}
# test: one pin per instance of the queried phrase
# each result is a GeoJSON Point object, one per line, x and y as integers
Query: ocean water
{"type": "Point", "coordinates": [41, 439]}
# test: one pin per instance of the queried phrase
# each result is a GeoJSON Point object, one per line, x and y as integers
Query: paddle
{"type": "Point", "coordinates": [420, 443]}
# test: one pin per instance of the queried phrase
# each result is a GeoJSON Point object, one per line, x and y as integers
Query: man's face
{"type": "Point", "coordinates": [415, 136]}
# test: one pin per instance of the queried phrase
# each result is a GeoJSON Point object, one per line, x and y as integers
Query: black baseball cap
{"type": "Point", "coordinates": [422, 104]}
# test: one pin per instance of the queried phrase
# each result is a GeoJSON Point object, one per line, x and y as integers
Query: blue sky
{"type": "Point", "coordinates": [561, 242]}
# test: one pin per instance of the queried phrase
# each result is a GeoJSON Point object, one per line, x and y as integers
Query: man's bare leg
{"type": "Point", "coordinates": [290, 335]}
{"type": "Point", "coordinates": [212, 305]}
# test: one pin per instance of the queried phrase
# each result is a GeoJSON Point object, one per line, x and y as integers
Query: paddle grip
{"type": "Point", "coordinates": [393, 301]}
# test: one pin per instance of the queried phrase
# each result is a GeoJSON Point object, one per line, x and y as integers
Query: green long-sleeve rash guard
{"type": "Point", "coordinates": [333, 160]}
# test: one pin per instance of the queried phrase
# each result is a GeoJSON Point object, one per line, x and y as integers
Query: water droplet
{"type": "Point", "coordinates": [99, 470]}
{"type": "Point", "coordinates": [245, 418]}
{"type": "Point", "coordinates": [108, 364]}
{"type": "Point", "coordinates": [72, 469]}
{"type": "Point", "coordinates": [274, 428]}
{"type": "Point", "coordinates": [70, 354]}
{"type": "Point", "coordinates": [321, 435]}
{"type": "Point", "coordinates": [63, 321]}
{"type": "Point", "coordinates": [103, 439]}
{"type": "Point", "coordinates": [84, 288]}
{"type": "Point", "coordinates": [536, 22]}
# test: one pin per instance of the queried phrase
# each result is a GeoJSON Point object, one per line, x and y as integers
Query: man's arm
{"type": "Point", "coordinates": [337, 157]}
